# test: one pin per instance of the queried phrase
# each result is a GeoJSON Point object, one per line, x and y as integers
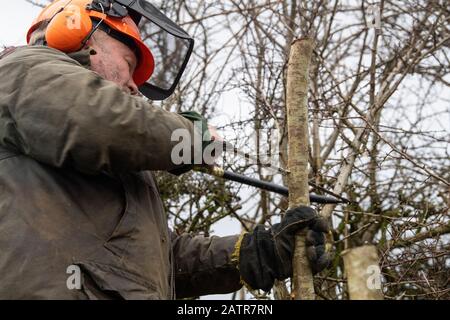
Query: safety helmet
{"type": "Point", "coordinates": [72, 22]}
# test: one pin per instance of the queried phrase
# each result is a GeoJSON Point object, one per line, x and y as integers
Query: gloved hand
{"type": "Point", "coordinates": [266, 255]}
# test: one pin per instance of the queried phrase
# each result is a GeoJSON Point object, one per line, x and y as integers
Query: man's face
{"type": "Point", "coordinates": [114, 61]}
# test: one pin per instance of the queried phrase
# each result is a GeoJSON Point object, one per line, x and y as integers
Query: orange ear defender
{"type": "Point", "coordinates": [68, 29]}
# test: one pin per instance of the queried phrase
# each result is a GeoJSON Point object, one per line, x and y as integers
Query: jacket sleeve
{"type": "Point", "coordinates": [60, 113]}
{"type": "Point", "coordinates": [203, 265]}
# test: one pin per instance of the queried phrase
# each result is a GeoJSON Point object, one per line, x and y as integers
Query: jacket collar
{"type": "Point", "coordinates": [83, 56]}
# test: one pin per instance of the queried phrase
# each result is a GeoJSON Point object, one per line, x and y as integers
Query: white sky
{"type": "Point", "coordinates": [15, 18]}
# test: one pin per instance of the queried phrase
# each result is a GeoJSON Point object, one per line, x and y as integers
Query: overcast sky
{"type": "Point", "coordinates": [15, 18]}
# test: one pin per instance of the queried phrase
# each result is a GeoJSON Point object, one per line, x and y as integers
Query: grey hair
{"type": "Point", "coordinates": [38, 35]}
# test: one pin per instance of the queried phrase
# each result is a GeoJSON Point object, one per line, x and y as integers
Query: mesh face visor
{"type": "Point", "coordinates": [170, 45]}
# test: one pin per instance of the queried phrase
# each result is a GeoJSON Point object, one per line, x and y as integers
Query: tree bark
{"type": "Point", "coordinates": [297, 119]}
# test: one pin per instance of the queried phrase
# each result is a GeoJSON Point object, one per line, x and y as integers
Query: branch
{"type": "Point", "coordinates": [441, 230]}
{"type": "Point", "coordinates": [34, 3]}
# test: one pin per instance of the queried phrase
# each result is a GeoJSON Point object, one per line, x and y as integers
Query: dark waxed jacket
{"type": "Point", "coordinates": [76, 188]}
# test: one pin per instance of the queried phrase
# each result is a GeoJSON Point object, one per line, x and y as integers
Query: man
{"type": "Point", "coordinates": [77, 147]}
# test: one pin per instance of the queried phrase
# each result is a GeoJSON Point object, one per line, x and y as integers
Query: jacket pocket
{"type": "Point", "coordinates": [119, 240]}
{"type": "Point", "coordinates": [103, 281]}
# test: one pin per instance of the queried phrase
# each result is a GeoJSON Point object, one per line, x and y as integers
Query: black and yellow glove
{"type": "Point", "coordinates": [265, 255]}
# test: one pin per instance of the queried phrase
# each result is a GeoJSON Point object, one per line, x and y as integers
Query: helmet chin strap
{"type": "Point", "coordinates": [97, 26]}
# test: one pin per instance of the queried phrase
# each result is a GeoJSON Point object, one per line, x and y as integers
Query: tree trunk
{"type": "Point", "coordinates": [297, 118]}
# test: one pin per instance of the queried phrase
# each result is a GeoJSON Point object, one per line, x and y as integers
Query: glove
{"type": "Point", "coordinates": [266, 255]}
{"type": "Point", "coordinates": [193, 116]}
